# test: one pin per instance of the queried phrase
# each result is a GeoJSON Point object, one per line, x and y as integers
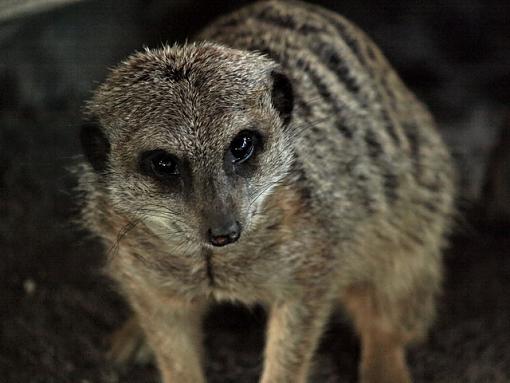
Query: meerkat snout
{"type": "Point", "coordinates": [224, 232]}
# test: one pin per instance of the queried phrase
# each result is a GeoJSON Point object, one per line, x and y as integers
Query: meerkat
{"type": "Point", "coordinates": [277, 160]}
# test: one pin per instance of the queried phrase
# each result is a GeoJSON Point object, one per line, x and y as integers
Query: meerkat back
{"type": "Point", "coordinates": [279, 161]}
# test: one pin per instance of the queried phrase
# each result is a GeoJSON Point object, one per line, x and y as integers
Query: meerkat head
{"type": "Point", "coordinates": [190, 139]}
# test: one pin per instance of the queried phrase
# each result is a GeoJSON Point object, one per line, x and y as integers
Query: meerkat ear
{"type": "Point", "coordinates": [95, 145]}
{"type": "Point", "coordinates": [282, 96]}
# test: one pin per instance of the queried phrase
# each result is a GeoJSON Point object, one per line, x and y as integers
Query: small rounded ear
{"type": "Point", "coordinates": [95, 145]}
{"type": "Point", "coordinates": [282, 96]}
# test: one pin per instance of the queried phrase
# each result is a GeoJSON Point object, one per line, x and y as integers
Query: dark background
{"type": "Point", "coordinates": [57, 310]}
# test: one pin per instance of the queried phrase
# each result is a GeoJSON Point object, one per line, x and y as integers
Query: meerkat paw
{"type": "Point", "coordinates": [128, 346]}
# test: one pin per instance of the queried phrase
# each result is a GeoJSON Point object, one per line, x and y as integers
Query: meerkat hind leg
{"type": "Point", "coordinates": [382, 345]}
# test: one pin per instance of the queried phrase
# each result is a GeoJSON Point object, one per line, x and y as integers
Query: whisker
{"type": "Point", "coordinates": [113, 251]}
{"type": "Point", "coordinates": [274, 184]}
{"type": "Point", "coordinates": [173, 217]}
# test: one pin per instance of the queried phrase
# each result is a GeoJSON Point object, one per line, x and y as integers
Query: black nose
{"type": "Point", "coordinates": [225, 234]}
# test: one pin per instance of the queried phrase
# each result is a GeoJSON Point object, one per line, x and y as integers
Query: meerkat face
{"type": "Point", "coordinates": [190, 140]}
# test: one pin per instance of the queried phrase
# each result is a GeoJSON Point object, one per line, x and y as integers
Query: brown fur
{"type": "Point", "coordinates": [347, 200]}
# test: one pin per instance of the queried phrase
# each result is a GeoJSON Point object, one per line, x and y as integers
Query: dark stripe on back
{"type": "Point", "coordinates": [328, 97]}
{"type": "Point", "coordinates": [329, 56]}
{"type": "Point", "coordinates": [269, 15]}
{"type": "Point", "coordinates": [342, 29]}
{"type": "Point", "coordinates": [390, 127]}
{"type": "Point", "coordinates": [303, 105]}
{"type": "Point", "coordinates": [375, 151]}
{"type": "Point", "coordinates": [273, 16]}
{"type": "Point", "coordinates": [390, 183]}
{"type": "Point", "coordinates": [411, 133]}
{"type": "Point", "coordinates": [373, 146]}
{"type": "Point", "coordinates": [371, 52]}
{"type": "Point", "coordinates": [413, 137]}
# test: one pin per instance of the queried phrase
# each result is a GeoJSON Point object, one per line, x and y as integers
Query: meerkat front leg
{"type": "Point", "coordinates": [294, 329]}
{"type": "Point", "coordinates": [174, 332]}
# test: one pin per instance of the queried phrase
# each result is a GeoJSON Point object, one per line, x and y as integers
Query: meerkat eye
{"type": "Point", "coordinates": [159, 164]}
{"type": "Point", "coordinates": [243, 146]}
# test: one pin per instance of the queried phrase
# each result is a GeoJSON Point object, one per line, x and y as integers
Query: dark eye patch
{"type": "Point", "coordinates": [242, 153]}
{"type": "Point", "coordinates": [159, 164]}
{"type": "Point", "coordinates": [242, 146]}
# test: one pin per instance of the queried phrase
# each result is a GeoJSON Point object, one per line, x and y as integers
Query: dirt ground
{"type": "Point", "coordinates": [57, 310]}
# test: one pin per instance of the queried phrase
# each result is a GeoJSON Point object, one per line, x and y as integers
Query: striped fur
{"type": "Point", "coordinates": [336, 66]}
